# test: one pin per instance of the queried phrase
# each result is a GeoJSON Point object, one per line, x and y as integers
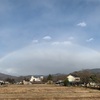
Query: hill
{"type": "Point", "coordinates": [5, 76]}
{"type": "Point", "coordinates": [55, 76]}
{"type": "Point", "coordinates": [96, 70]}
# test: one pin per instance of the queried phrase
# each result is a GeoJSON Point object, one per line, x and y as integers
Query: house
{"type": "Point", "coordinates": [25, 82]}
{"type": "Point", "coordinates": [2, 82]}
{"type": "Point", "coordinates": [73, 78]}
{"type": "Point", "coordinates": [34, 79]}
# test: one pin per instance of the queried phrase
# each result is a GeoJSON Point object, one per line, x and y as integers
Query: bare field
{"type": "Point", "coordinates": [47, 92]}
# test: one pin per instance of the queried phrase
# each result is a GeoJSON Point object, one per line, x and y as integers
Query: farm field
{"type": "Point", "coordinates": [47, 92]}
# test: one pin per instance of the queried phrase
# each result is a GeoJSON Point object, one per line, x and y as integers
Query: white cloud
{"type": "Point", "coordinates": [62, 43]}
{"type": "Point", "coordinates": [89, 40]}
{"type": "Point", "coordinates": [82, 24]}
{"type": "Point", "coordinates": [47, 38]}
{"type": "Point", "coordinates": [35, 41]}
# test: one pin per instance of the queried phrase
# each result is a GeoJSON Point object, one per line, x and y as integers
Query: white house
{"type": "Point", "coordinates": [26, 82]}
{"type": "Point", "coordinates": [72, 78]}
{"type": "Point", "coordinates": [1, 82]}
{"type": "Point", "coordinates": [34, 79]}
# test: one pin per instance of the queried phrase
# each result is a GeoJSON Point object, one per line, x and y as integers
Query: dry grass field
{"type": "Point", "coordinates": [47, 92]}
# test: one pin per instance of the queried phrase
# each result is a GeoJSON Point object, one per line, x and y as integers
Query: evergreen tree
{"type": "Point", "coordinates": [49, 77]}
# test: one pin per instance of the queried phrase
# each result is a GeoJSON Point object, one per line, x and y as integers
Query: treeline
{"type": "Point", "coordinates": [55, 77]}
{"type": "Point", "coordinates": [87, 76]}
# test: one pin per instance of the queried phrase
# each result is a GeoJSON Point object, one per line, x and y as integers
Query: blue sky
{"type": "Point", "coordinates": [49, 36]}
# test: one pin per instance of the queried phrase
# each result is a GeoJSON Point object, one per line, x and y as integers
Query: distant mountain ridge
{"type": "Point", "coordinates": [95, 70]}
{"type": "Point", "coordinates": [5, 76]}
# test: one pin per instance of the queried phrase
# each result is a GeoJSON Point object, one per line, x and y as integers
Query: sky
{"type": "Point", "coordinates": [49, 36]}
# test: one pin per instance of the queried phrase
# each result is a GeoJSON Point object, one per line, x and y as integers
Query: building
{"type": "Point", "coordinates": [2, 82]}
{"type": "Point", "coordinates": [34, 79]}
{"type": "Point", "coordinates": [73, 79]}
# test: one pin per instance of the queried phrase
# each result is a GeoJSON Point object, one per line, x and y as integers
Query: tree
{"type": "Point", "coordinates": [10, 80]}
{"type": "Point", "coordinates": [85, 77]}
{"type": "Point", "coordinates": [49, 77]}
{"type": "Point", "coordinates": [66, 82]}
{"type": "Point", "coordinates": [26, 79]}
{"type": "Point", "coordinates": [44, 79]}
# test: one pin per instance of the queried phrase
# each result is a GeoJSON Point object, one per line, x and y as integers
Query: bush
{"type": "Point", "coordinates": [66, 82]}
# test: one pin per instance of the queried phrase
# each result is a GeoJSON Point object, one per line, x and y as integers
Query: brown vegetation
{"type": "Point", "coordinates": [47, 92]}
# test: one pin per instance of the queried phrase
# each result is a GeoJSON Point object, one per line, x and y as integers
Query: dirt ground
{"type": "Point", "coordinates": [47, 92]}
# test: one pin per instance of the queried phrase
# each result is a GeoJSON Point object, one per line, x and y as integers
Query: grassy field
{"type": "Point", "coordinates": [47, 92]}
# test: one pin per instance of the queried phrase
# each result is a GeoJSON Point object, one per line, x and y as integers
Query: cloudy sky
{"type": "Point", "coordinates": [49, 36]}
